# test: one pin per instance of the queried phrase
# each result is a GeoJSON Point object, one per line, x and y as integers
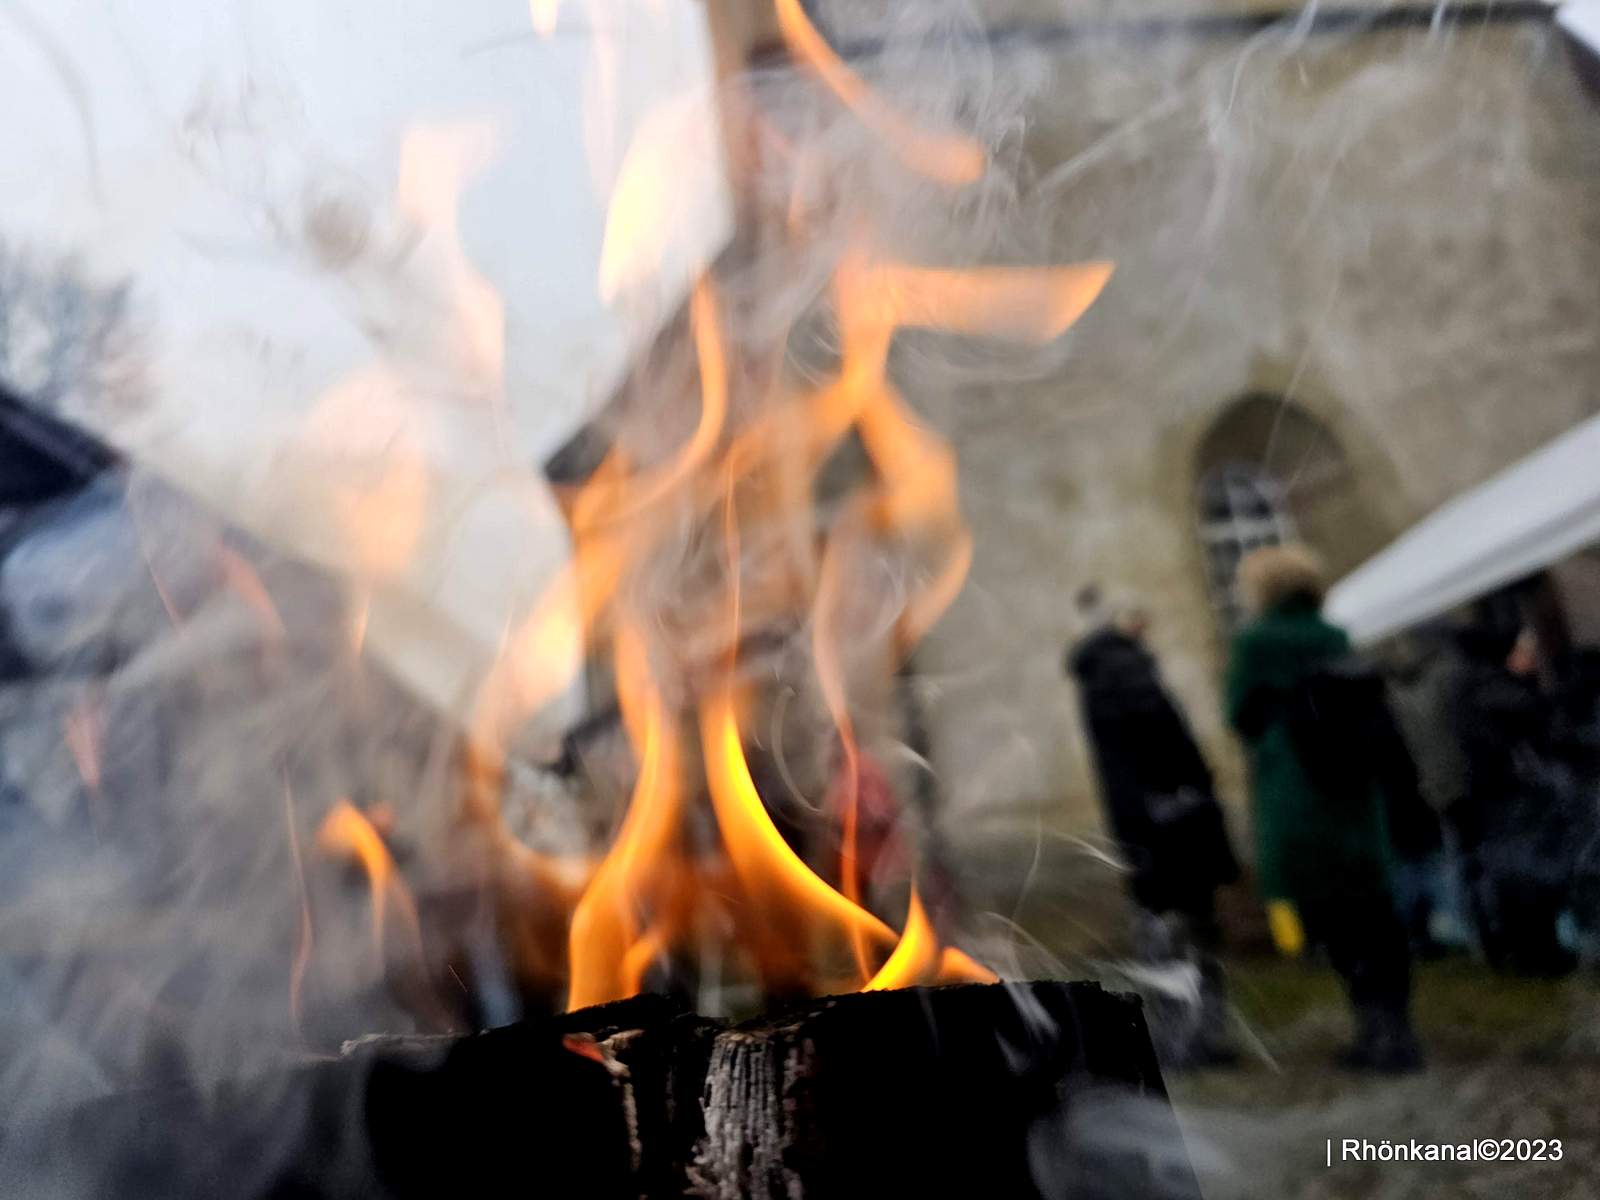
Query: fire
{"type": "Point", "coordinates": [792, 922]}
{"type": "Point", "coordinates": [915, 958]}
{"type": "Point", "coordinates": [346, 833]}
{"type": "Point", "coordinates": [611, 942]}
{"type": "Point", "coordinates": [785, 895]}
{"type": "Point", "coordinates": [950, 159]}
{"type": "Point", "coordinates": [729, 515]}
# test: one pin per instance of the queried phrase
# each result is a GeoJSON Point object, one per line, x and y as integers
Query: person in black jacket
{"type": "Point", "coordinates": [1415, 834]}
{"type": "Point", "coordinates": [1157, 793]}
{"type": "Point", "coordinates": [1511, 819]}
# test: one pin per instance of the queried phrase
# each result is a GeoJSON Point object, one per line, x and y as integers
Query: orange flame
{"type": "Point", "coordinates": [346, 832]}
{"type": "Point", "coordinates": [613, 524]}
{"type": "Point", "coordinates": [648, 895]}
{"type": "Point", "coordinates": [661, 888]}
{"type": "Point", "coordinates": [775, 878]}
{"type": "Point", "coordinates": [610, 948]}
{"type": "Point", "coordinates": [1033, 304]}
{"type": "Point", "coordinates": [916, 959]}
{"type": "Point", "coordinates": [950, 159]}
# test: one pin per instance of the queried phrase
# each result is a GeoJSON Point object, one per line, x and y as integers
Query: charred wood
{"type": "Point", "coordinates": [1023, 1090]}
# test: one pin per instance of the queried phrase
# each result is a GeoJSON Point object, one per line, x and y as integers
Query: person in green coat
{"type": "Point", "coordinates": [1311, 722]}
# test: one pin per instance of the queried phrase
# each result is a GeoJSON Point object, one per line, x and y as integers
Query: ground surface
{"type": "Point", "coordinates": [1509, 1058]}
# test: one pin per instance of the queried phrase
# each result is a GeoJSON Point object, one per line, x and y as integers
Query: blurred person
{"type": "Point", "coordinates": [1426, 676]}
{"type": "Point", "coordinates": [1415, 834]}
{"type": "Point", "coordinates": [1514, 815]}
{"type": "Point", "coordinates": [1577, 700]}
{"type": "Point", "coordinates": [1308, 714]}
{"type": "Point", "coordinates": [1156, 790]}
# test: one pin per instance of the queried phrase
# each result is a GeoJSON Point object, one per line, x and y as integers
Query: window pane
{"type": "Point", "coordinates": [1238, 509]}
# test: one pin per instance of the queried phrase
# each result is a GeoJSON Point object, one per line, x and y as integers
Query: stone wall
{"type": "Point", "coordinates": [1397, 231]}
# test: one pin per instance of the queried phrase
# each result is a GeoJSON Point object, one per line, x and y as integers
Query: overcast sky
{"type": "Point", "coordinates": [152, 134]}
{"type": "Point", "coordinates": [167, 140]}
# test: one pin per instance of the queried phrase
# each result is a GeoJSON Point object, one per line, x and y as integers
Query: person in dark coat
{"type": "Point", "coordinates": [1323, 854]}
{"type": "Point", "coordinates": [1415, 834]}
{"type": "Point", "coordinates": [1422, 688]}
{"type": "Point", "coordinates": [1157, 792]}
{"type": "Point", "coordinates": [1512, 818]}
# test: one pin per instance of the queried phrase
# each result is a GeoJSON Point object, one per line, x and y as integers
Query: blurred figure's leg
{"type": "Point", "coordinates": [1367, 945]}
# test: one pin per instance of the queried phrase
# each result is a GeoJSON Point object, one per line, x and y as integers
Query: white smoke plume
{"type": "Point", "coordinates": [195, 701]}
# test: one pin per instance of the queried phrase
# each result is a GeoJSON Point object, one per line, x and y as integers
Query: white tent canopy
{"type": "Point", "coordinates": [1581, 20]}
{"type": "Point", "coordinates": [1532, 514]}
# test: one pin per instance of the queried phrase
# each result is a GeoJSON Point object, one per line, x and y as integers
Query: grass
{"type": "Point", "coordinates": [1508, 1058]}
{"type": "Point", "coordinates": [1462, 1009]}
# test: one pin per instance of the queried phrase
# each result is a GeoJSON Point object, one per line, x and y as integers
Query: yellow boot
{"type": "Point", "coordinates": [1288, 935]}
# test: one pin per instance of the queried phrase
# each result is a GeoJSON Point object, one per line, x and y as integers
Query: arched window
{"type": "Point", "coordinates": [1239, 508]}
{"type": "Point", "coordinates": [1269, 471]}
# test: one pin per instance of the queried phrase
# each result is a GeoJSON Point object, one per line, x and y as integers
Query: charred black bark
{"type": "Point", "coordinates": [1020, 1090]}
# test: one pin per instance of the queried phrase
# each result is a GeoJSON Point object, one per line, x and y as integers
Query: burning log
{"type": "Point", "coordinates": [948, 1091]}
{"type": "Point", "coordinates": [674, 577]}
{"type": "Point", "coordinates": [966, 1090]}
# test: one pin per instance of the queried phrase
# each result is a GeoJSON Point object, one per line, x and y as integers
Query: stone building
{"type": "Point", "coordinates": [1358, 271]}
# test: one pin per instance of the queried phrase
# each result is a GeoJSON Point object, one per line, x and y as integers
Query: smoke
{"type": "Point", "coordinates": [191, 703]}
{"type": "Point", "coordinates": [196, 701]}
{"type": "Point", "coordinates": [1284, 203]}
{"type": "Point", "coordinates": [169, 761]}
